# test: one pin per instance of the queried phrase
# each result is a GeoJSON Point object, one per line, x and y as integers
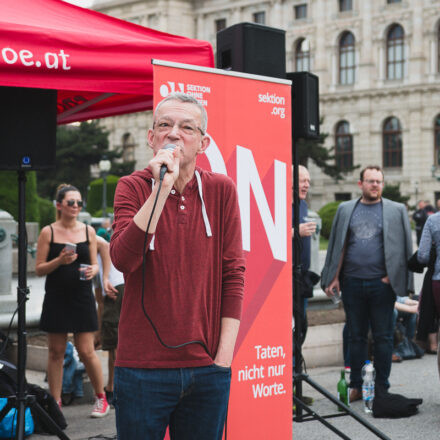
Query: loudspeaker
{"type": "Point", "coordinates": [252, 48]}
{"type": "Point", "coordinates": [305, 105]}
{"type": "Point", "coordinates": [28, 121]}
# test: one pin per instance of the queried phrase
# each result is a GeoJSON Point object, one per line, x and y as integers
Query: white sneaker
{"type": "Point", "coordinates": [101, 407]}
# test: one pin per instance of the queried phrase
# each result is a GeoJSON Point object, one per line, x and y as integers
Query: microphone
{"type": "Point", "coordinates": [163, 168]}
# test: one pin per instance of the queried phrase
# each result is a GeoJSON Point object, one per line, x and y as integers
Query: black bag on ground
{"type": "Point", "coordinates": [393, 406]}
{"type": "Point", "coordinates": [408, 349]}
{"type": "Point", "coordinates": [50, 406]}
{"type": "Point", "coordinates": [8, 387]}
{"type": "Point", "coordinates": [8, 379]}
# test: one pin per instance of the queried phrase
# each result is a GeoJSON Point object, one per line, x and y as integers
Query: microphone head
{"type": "Point", "coordinates": [169, 147]}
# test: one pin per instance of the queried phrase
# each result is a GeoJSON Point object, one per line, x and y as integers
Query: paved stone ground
{"type": "Point", "coordinates": [412, 378]}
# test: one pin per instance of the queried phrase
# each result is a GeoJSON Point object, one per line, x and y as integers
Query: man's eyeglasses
{"type": "Point", "coordinates": [372, 181]}
{"type": "Point", "coordinates": [188, 128]}
{"type": "Point", "coordinates": [72, 202]}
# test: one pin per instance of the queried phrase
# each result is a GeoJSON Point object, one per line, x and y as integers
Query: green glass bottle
{"type": "Point", "coordinates": [343, 390]}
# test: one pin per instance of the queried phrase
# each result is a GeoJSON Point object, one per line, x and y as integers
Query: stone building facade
{"type": "Point", "coordinates": [378, 64]}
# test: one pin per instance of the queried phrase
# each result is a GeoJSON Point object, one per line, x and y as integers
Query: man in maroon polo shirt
{"type": "Point", "coordinates": [193, 285]}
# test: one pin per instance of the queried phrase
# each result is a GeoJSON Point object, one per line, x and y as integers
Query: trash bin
{"type": "Point", "coordinates": [7, 227]}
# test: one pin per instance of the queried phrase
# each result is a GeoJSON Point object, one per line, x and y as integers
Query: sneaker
{"type": "Point", "coordinates": [396, 358]}
{"type": "Point", "coordinates": [101, 407]}
{"type": "Point", "coordinates": [60, 403]}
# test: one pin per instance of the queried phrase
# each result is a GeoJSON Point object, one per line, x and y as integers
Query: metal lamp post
{"type": "Point", "coordinates": [104, 167]}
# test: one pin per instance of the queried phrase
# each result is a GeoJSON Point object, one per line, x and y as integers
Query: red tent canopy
{"type": "Point", "coordinates": [101, 66]}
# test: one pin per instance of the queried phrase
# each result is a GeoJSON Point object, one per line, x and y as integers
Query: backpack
{"type": "Point", "coordinates": [8, 378]}
{"type": "Point", "coordinates": [8, 387]}
{"type": "Point", "coordinates": [50, 406]}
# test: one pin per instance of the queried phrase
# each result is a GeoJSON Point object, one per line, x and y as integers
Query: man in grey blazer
{"type": "Point", "coordinates": [370, 244]}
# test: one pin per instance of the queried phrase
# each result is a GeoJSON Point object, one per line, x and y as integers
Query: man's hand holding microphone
{"type": "Point", "coordinates": [166, 159]}
{"type": "Point", "coordinates": [165, 164]}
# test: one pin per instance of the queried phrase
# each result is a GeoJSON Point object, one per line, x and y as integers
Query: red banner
{"type": "Point", "coordinates": [249, 122]}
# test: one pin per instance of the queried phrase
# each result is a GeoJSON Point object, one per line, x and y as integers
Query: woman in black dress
{"type": "Point", "coordinates": [69, 304]}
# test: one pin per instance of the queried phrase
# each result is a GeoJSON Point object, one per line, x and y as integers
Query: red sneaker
{"type": "Point", "coordinates": [101, 407]}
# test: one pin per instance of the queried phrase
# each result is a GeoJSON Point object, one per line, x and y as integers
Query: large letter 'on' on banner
{"type": "Point", "coordinates": [247, 177]}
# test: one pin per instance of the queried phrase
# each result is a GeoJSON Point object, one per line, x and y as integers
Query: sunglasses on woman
{"type": "Point", "coordinates": [72, 202]}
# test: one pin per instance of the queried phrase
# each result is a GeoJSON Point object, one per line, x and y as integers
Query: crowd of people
{"type": "Point", "coordinates": [369, 261]}
{"type": "Point", "coordinates": [149, 361]}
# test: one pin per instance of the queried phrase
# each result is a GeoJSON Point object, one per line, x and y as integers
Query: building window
{"type": "Point", "coordinates": [437, 141]}
{"type": "Point", "coordinates": [342, 197]}
{"type": "Point", "coordinates": [153, 21]}
{"type": "Point", "coordinates": [300, 12]}
{"type": "Point", "coordinates": [345, 5]}
{"type": "Point", "coordinates": [395, 52]}
{"type": "Point", "coordinates": [302, 56]}
{"type": "Point", "coordinates": [220, 24]}
{"type": "Point", "coordinates": [343, 146]}
{"type": "Point", "coordinates": [346, 59]}
{"type": "Point", "coordinates": [128, 147]}
{"type": "Point", "coordinates": [394, 1]}
{"type": "Point", "coordinates": [260, 17]}
{"type": "Point", "coordinates": [392, 143]}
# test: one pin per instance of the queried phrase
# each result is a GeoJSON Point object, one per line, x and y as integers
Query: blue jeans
{"type": "Point", "coordinates": [193, 402]}
{"type": "Point", "coordinates": [369, 303]}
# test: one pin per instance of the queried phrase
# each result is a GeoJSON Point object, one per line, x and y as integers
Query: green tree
{"type": "Point", "coordinates": [392, 192]}
{"type": "Point", "coordinates": [322, 156]}
{"type": "Point", "coordinates": [94, 197]}
{"type": "Point", "coordinates": [78, 147]}
{"type": "Point", "coordinates": [327, 214]}
{"type": "Point", "coordinates": [47, 211]}
{"type": "Point", "coordinates": [9, 195]}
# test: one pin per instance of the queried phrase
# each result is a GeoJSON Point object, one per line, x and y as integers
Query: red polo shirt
{"type": "Point", "coordinates": [191, 280]}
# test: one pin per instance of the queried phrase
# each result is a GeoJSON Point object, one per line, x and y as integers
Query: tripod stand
{"type": "Point", "coordinates": [298, 376]}
{"type": "Point", "coordinates": [21, 400]}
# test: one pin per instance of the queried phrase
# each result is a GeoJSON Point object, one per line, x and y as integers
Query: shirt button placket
{"type": "Point", "coordinates": [182, 210]}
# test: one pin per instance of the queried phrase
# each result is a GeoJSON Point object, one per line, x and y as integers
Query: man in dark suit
{"type": "Point", "coordinates": [369, 246]}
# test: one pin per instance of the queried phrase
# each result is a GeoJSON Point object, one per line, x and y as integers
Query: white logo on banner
{"type": "Point", "coordinates": [197, 91]}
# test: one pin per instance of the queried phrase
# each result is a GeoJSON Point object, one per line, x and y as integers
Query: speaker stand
{"type": "Point", "coordinates": [298, 376]}
{"type": "Point", "coordinates": [22, 400]}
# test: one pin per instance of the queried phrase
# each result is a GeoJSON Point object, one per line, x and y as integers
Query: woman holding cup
{"type": "Point", "coordinates": [67, 255]}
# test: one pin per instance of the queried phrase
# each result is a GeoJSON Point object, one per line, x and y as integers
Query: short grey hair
{"type": "Point", "coordinates": [183, 97]}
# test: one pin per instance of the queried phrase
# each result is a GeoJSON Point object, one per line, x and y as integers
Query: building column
{"type": "Point", "coordinates": [276, 14]}
{"type": "Point", "coordinates": [236, 15]}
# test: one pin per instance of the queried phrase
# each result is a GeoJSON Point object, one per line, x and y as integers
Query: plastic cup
{"type": "Point", "coordinates": [336, 297]}
{"type": "Point", "coordinates": [82, 271]}
{"type": "Point", "coordinates": [312, 220]}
